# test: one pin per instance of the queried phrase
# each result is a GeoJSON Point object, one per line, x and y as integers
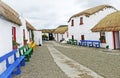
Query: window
{"type": "Point", "coordinates": [81, 20]}
{"type": "Point", "coordinates": [102, 37]}
{"type": "Point", "coordinates": [72, 22]}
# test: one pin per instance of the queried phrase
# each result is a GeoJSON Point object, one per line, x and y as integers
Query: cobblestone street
{"type": "Point", "coordinates": [47, 62]}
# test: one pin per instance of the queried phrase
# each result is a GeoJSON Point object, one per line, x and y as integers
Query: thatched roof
{"type": "Point", "coordinates": [110, 23]}
{"type": "Point", "coordinates": [91, 11]}
{"type": "Point", "coordinates": [9, 13]}
{"type": "Point", "coordinates": [61, 29]}
{"type": "Point", "coordinates": [29, 26]}
{"type": "Point", "coordinates": [47, 30]}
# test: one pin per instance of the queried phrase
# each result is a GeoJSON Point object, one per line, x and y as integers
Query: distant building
{"type": "Point", "coordinates": [38, 37]}
{"type": "Point", "coordinates": [61, 33]}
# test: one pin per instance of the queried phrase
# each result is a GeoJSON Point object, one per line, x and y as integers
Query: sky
{"type": "Point", "coordinates": [49, 14]}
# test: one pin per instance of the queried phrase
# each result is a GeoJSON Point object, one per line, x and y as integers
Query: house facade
{"type": "Point", "coordinates": [110, 27]}
{"type": "Point", "coordinates": [79, 25]}
{"type": "Point", "coordinates": [38, 37]}
{"type": "Point", "coordinates": [10, 27]}
{"type": "Point", "coordinates": [61, 33]}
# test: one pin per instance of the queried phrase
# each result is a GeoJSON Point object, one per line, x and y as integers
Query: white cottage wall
{"type": "Point", "coordinates": [38, 37]}
{"type": "Point", "coordinates": [65, 35]}
{"type": "Point", "coordinates": [109, 40]}
{"type": "Point", "coordinates": [5, 36]}
{"type": "Point", "coordinates": [59, 37]}
{"type": "Point", "coordinates": [88, 23]}
{"type": "Point", "coordinates": [21, 31]}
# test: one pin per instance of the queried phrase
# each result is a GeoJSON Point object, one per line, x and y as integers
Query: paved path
{"type": "Point", "coordinates": [71, 67]}
{"type": "Point", "coordinates": [51, 61]}
{"type": "Point", "coordinates": [41, 65]}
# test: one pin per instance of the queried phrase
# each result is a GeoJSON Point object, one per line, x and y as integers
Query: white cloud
{"type": "Point", "coordinates": [51, 13]}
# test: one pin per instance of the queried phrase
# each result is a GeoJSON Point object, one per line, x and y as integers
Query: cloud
{"type": "Point", "coordinates": [51, 13]}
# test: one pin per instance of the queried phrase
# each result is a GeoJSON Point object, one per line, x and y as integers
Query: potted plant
{"type": "Point", "coordinates": [102, 39]}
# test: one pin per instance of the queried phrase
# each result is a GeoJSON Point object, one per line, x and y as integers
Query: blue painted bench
{"type": "Point", "coordinates": [26, 51]}
{"type": "Point", "coordinates": [90, 43]}
{"type": "Point", "coordinates": [11, 68]}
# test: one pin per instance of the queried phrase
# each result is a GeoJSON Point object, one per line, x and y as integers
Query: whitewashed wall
{"type": "Point", "coordinates": [65, 35]}
{"type": "Point", "coordinates": [20, 38]}
{"type": "Point", "coordinates": [109, 40]}
{"type": "Point", "coordinates": [5, 36]}
{"type": "Point", "coordinates": [38, 37]}
{"type": "Point", "coordinates": [88, 23]}
{"type": "Point", "coordinates": [60, 36]}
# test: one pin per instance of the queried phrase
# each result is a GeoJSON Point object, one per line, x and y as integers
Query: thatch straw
{"type": "Point", "coordinates": [61, 29]}
{"type": "Point", "coordinates": [47, 30]}
{"type": "Point", "coordinates": [91, 11]}
{"type": "Point", "coordinates": [109, 23]}
{"type": "Point", "coordinates": [29, 26]}
{"type": "Point", "coordinates": [9, 13]}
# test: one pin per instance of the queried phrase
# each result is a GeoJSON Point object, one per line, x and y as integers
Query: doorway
{"type": "Point", "coordinates": [116, 40]}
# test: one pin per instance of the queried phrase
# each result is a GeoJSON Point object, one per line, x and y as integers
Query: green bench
{"type": "Point", "coordinates": [70, 41]}
{"type": "Point", "coordinates": [26, 51]}
{"type": "Point", "coordinates": [74, 42]}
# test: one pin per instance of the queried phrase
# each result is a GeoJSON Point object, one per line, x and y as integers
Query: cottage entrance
{"type": "Point", "coordinates": [14, 38]}
{"type": "Point", "coordinates": [116, 40]}
{"type": "Point", "coordinates": [24, 37]}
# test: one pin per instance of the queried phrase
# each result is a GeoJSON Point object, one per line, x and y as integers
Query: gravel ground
{"type": "Point", "coordinates": [105, 63]}
{"type": "Point", "coordinates": [41, 65]}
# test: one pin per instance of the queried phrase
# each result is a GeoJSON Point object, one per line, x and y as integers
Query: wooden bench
{"type": "Point", "coordinates": [11, 68]}
{"type": "Point", "coordinates": [90, 43]}
{"type": "Point", "coordinates": [26, 51]}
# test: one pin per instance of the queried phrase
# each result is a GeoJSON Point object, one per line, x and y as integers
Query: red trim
{"type": "Point", "coordinates": [25, 42]}
{"type": "Point", "coordinates": [114, 42]}
{"type": "Point", "coordinates": [14, 37]}
{"type": "Point", "coordinates": [14, 33]}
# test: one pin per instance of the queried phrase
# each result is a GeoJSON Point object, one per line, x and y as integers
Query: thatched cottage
{"type": "Point", "coordinates": [14, 29]}
{"type": "Point", "coordinates": [9, 23]}
{"type": "Point", "coordinates": [110, 29]}
{"type": "Point", "coordinates": [80, 24]}
{"type": "Point", "coordinates": [61, 32]}
{"type": "Point", "coordinates": [47, 34]}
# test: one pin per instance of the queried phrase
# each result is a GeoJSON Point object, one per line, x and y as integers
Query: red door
{"type": "Point", "coordinates": [116, 40]}
{"type": "Point", "coordinates": [14, 37]}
